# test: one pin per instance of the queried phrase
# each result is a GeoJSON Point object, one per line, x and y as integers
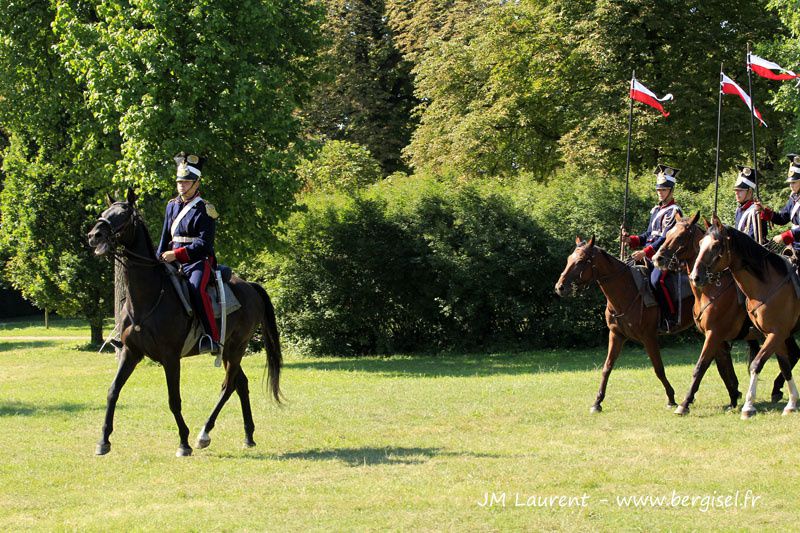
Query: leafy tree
{"type": "Point", "coordinates": [785, 50]}
{"type": "Point", "coordinates": [533, 85]}
{"type": "Point", "coordinates": [223, 79]}
{"type": "Point", "coordinates": [340, 165]}
{"type": "Point", "coordinates": [56, 157]}
{"type": "Point", "coordinates": [367, 96]}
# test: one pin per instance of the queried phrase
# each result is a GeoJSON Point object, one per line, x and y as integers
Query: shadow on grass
{"type": "Point", "coordinates": [9, 346]}
{"type": "Point", "coordinates": [28, 409]}
{"type": "Point", "coordinates": [533, 362]}
{"type": "Point", "coordinates": [366, 456]}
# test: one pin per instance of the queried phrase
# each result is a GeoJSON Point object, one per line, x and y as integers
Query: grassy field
{"type": "Point", "coordinates": [399, 443]}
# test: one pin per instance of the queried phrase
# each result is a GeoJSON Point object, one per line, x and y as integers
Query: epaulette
{"type": "Point", "coordinates": [211, 210]}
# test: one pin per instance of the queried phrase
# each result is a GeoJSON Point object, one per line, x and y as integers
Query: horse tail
{"type": "Point", "coordinates": [272, 343]}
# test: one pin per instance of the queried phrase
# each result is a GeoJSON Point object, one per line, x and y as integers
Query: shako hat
{"type": "Point", "coordinates": [745, 181]}
{"type": "Point", "coordinates": [189, 167]}
{"type": "Point", "coordinates": [665, 176]}
{"type": "Point", "coordinates": [794, 168]}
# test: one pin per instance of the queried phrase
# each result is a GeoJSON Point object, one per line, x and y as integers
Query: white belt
{"type": "Point", "coordinates": [183, 240]}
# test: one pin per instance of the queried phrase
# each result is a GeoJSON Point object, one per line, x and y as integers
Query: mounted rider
{"type": "Point", "coordinates": [188, 238]}
{"type": "Point", "coordinates": [790, 212]}
{"type": "Point", "coordinates": [662, 219]}
{"type": "Point", "coordinates": [747, 218]}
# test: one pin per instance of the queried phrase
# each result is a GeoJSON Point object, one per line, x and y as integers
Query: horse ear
{"type": "Point", "coordinates": [590, 243]}
{"type": "Point", "coordinates": [577, 240]}
{"type": "Point", "coordinates": [694, 219]}
{"type": "Point", "coordinates": [716, 221]}
{"type": "Point", "coordinates": [705, 221]}
{"type": "Point", "coordinates": [109, 200]}
{"type": "Point", "coordinates": [131, 197]}
{"type": "Point", "coordinates": [678, 216]}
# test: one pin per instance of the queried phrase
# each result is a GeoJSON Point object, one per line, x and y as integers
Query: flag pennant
{"type": "Point", "coordinates": [766, 69]}
{"type": "Point", "coordinates": [728, 86]}
{"type": "Point", "coordinates": [640, 93]}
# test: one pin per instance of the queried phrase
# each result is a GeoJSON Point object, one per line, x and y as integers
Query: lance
{"type": "Point", "coordinates": [622, 228]}
{"type": "Point", "coordinates": [719, 120]}
{"type": "Point", "coordinates": [753, 136]}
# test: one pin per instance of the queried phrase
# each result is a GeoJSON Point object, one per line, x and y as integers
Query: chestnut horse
{"type": "Point", "coordinates": [773, 305]}
{"type": "Point", "coordinates": [155, 324]}
{"type": "Point", "coordinates": [626, 315]}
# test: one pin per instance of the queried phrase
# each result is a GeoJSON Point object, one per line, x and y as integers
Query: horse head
{"type": "Point", "coordinates": [714, 255]}
{"type": "Point", "coordinates": [578, 272]}
{"type": "Point", "coordinates": [679, 244]}
{"type": "Point", "coordinates": [115, 225]}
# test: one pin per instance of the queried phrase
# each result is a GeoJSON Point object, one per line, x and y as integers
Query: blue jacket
{"type": "Point", "coordinates": [746, 219]}
{"type": "Point", "coordinates": [662, 218]}
{"type": "Point", "coordinates": [789, 213]}
{"type": "Point", "coordinates": [196, 230]}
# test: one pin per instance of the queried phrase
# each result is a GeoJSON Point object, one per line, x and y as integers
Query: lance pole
{"type": "Point", "coordinates": [623, 227]}
{"type": "Point", "coordinates": [719, 120]}
{"type": "Point", "coordinates": [753, 136]}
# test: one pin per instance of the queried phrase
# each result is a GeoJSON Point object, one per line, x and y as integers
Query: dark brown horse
{"type": "Point", "coordinates": [155, 324]}
{"type": "Point", "coordinates": [718, 314]}
{"type": "Point", "coordinates": [626, 315]}
{"type": "Point", "coordinates": [773, 305]}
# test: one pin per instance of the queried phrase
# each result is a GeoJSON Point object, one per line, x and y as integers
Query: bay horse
{"type": "Point", "coordinates": [718, 314]}
{"type": "Point", "coordinates": [626, 315]}
{"type": "Point", "coordinates": [155, 324]}
{"type": "Point", "coordinates": [773, 306]}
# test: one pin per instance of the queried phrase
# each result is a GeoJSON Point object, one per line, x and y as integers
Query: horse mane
{"type": "Point", "coordinates": [755, 258]}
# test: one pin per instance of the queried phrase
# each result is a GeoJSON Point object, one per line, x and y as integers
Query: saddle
{"type": "Point", "coordinates": [642, 279]}
{"type": "Point", "coordinates": [181, 286]}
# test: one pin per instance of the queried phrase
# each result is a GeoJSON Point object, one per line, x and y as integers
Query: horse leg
{"type": "Point", "coordinates": [794, 354]}
{"type": "Point", "coordinates": [172, 371]}
{"type": "Point", "coordinates": [786, 371]}
{"type": "Point", "coordinates": [127, 363]}
{"type": "Point", "coordinates": [654, 353]}
{"type": "Point", "coordinates": [247, 415]}
{"type": "Point", "coordinates": [615, 343]}
{"type": "Point", "coordinates": [228, 386]}
{"type": "Point", "coordinates": [724, 363]}
{"type": "Point", "coordinates": [771, 342]}
{"type": "Point", "coordinates": [711, 347]}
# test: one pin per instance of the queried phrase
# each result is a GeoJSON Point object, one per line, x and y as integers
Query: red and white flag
{"type": "Point", "coordinates": [766, 69]}
{"type": "Point", "coordinates": [728, 86]}
{"type": "Point", "coordinates": [642, 94]}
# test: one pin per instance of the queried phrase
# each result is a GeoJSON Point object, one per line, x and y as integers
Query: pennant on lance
{"type": "Point", "coordinates": [642, 94]}
{"type": "Point", "coordinates": [728, 86]}
{"type": "Point", "coordinates": [769, 70]}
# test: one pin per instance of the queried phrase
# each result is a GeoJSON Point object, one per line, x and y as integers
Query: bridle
{"type": "Point", "coordinates": [595, 274]}
{"type": "Point", "coordinates": [715, 277]}
{"type": "Point", "coordinates": [131, 223]}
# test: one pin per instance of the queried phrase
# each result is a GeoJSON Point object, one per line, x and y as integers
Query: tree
{"type": "Point", "coordinates": [97, 95]}
{"type": "Point", "coordinates": [56, 157]}
{"type": "Point", "coordinates": [340, 166]}
{"type": "Point", "coordinates": [367, 96]}
{"type": "Point", "coordinates": [223, 79]}
{"type": "Point", "coordinates": [534, 85]}
{"type": "Point", "coordinates": [785, 49]}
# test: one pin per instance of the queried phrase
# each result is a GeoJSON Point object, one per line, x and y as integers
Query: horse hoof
{"type": "Point", "coordinates": [777, 397]}
{"type": "Point", "coordinates": [202, 443]}
{"type": "Point", "coordinates": [789, 410]}
{"type": "Point", "coordinates": [249, 443]}
{"type": "Point", "coordinates": [747, 414]}
{"type": "Point", "coordinates": [596, 409]}
{"type": "Point", "coordinates": [183, 451]}
{"type": "Point", "coordinates": [102, 448]}
{"type": "Point", "coordinates": [681, 410]}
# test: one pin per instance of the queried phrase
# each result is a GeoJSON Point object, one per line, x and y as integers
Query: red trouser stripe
{"type": "Point", "coordinates": [663, 288]}
{"type": "Point", "coordinates": [212, 323]}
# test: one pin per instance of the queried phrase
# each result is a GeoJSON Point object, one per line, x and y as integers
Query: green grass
{"type": "Point", "coordinates": [34, 326]}
{"type": "Point", "coordinates": [398, 443]}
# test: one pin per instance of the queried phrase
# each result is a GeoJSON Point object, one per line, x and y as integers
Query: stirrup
{"type": "Point", "coordinates": [207, 345]}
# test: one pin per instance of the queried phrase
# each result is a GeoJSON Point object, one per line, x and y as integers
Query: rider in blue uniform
{"type": "Point", "coordinates": [662, 218]}
{"type": "Point", "coordinates": [791, 211]}
{"type": "Point", "coordinates": [188, 238]}
{"type": "Point", "coordinates": [747, 218]}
